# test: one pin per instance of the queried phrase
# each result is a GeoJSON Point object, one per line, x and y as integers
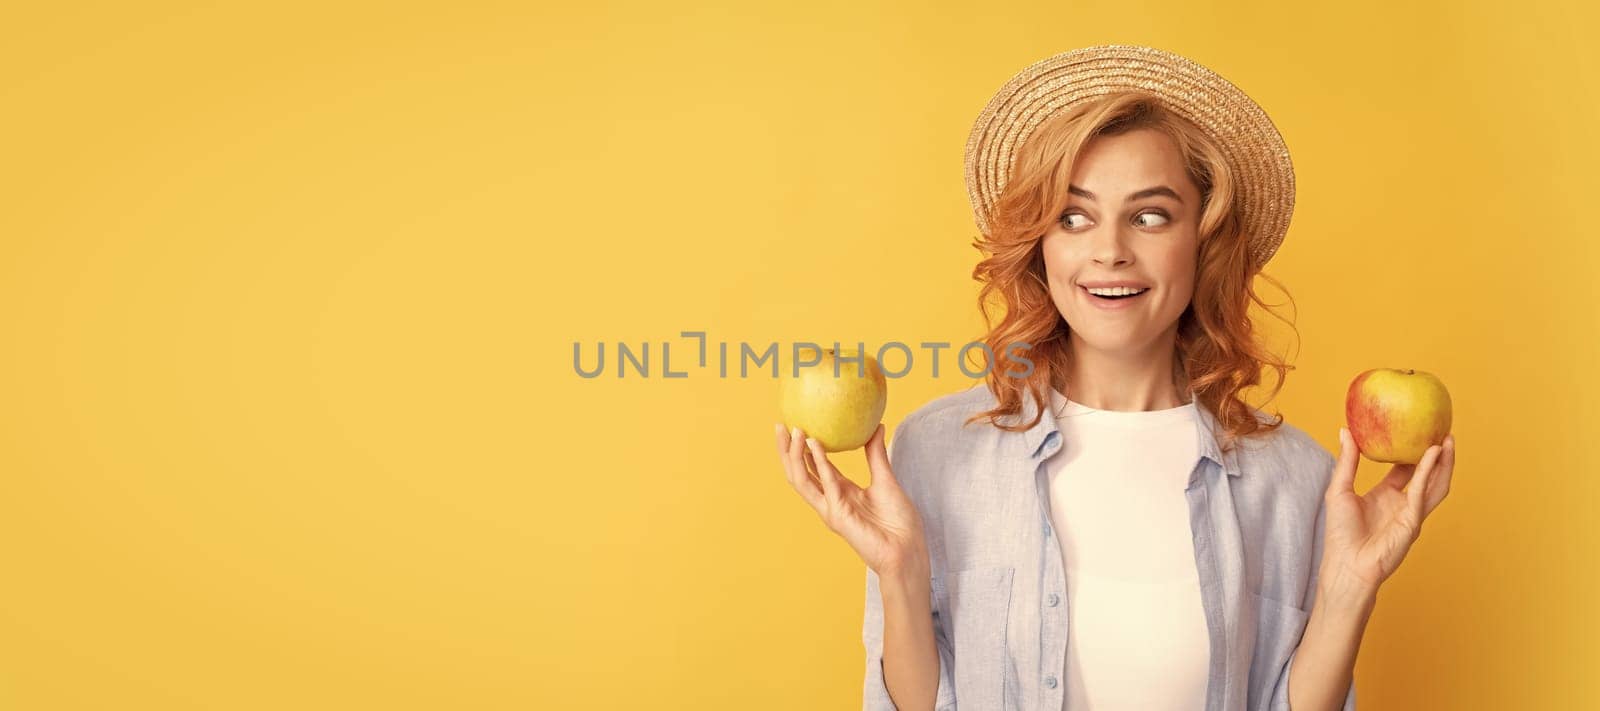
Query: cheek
{"type": "Point", "coordinates": [1058, 277]}
{"type": "Point", "coordinates": [1059, 262]}
{"type": "Point", "coordinates": [1180, 278]}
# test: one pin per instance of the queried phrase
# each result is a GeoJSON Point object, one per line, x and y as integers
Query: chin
{"type": "Point", "coordinates": [1106, 342]}
{"type": "Point", "coordinates": [1132, 339]}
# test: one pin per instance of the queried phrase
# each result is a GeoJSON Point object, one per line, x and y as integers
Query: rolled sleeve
{"type": "Point", "coordinates": [875, 693]}
{"type": "Point", "coordinates": [1279, 700]}
{"type": "Point", "coordinates": [1280, 692]}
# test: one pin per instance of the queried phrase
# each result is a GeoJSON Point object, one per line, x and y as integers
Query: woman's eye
{"type": "Point", "coordinates": [1066, 219]}
{"type": "Point", "coordinates": [1162, 219]}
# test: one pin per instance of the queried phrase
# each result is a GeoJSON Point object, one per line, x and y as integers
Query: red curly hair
{"type": "Point", "coordinates": [1217, 354]}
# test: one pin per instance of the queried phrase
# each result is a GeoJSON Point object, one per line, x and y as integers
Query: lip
{"type": "Point", "coordinates": [1109, 284]}
{"type": "Point", "coordinates": [1117, 305]}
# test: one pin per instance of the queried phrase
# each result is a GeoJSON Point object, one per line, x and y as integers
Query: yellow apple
{"type": "Point", "coordinates": [1395, 415]}
{"type": "Point", "coordinates": [839, 412]}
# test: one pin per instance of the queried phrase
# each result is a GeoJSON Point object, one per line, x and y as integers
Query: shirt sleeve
{"type": "Point", "coordinates": [1280, 693]}
{"type": "Point", "coordinates": [875, 694]}
{"type": "Point", "coordinates": [1280, 689]}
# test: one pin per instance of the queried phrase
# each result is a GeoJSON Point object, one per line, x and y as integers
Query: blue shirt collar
{"type": "Point", "coordinates": [1044, 438]}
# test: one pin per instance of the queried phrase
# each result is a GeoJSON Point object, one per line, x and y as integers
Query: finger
{"type": "Point", "coordinates": [807, 487]}
{"type": "Point", "coordinates": [825, 470]}
{"type": "Point", "coordinates": [1419, 484]}
{"type": "Point", "coordinates": [878, 461]}
{"type": "Point", "coordinates": [799, 479]}
{"type": "Point", "coordinates": [1344, 470]}
{"type": "Point", "coordinates": [798, 460]}
{"type": "Point", "coordinates": [1447, 465]}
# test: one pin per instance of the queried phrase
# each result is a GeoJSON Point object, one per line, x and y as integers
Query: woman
{"type": "Point", "coordinates": [1115, 527]}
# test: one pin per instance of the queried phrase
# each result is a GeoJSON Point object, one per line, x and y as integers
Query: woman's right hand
{"type": "Point", "coordinates": [879, 522]}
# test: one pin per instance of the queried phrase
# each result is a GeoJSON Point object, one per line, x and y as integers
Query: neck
{"type": "Point", "coordinates": [1122, 381]}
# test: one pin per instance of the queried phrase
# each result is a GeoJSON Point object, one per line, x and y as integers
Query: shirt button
{"type": "Point", "coordinates": [1054, 599]}
{"type": "Point", "coordinates": [1050, 681]}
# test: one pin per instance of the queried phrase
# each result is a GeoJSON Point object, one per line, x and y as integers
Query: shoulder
{"type": "Point", "coordinates": [1287, 458]}
{"type": "Point", "coordinates": [938, 434]}
{"type": "Point", "coordinates": [945, 424]}
{"type": "Point", "coordinates": [948, 411]}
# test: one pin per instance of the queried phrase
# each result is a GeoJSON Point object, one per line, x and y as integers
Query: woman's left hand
{"type": "Point", "coordinates": [1366, 536]}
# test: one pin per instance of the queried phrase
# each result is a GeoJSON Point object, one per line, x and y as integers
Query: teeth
{"type": "Point", "coordinates": [1117, 291]}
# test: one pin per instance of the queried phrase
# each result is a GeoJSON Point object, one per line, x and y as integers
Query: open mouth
{"type": "Point", "coordinates": [1118, 297]}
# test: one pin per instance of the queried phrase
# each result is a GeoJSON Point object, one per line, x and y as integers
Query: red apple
{"type": "Point", "coordinates": [1395, 415]}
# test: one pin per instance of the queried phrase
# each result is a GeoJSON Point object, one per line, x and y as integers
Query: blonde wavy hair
{"type": "Point", "coordinates": [1217, 353]}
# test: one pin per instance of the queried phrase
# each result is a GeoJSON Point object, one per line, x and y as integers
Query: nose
{"type": "Point", "coordinates": [1108, 247]}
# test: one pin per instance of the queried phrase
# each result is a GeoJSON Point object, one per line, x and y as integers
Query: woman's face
{"type": "Point", "coordinates": [1133, 217]}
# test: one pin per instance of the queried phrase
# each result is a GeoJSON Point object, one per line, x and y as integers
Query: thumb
{"type": "Point", "coordinates": [878, 460]}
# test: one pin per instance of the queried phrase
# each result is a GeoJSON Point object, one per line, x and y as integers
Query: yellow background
{"type": "Point", "coordinates": [289, 413]}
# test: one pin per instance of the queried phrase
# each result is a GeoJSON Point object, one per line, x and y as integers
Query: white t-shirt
{"type": "Point", "coordinates": [1136, 631]}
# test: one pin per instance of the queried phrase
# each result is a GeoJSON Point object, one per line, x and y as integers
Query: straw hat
{"type": "Point", "coordinates": [1250, 142]}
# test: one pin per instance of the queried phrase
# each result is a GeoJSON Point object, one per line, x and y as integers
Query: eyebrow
{"type": "Point", "coordinates": [1147, 192]}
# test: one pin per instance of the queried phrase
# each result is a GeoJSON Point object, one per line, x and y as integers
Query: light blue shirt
{"type": "Point", "coordinates": [999, 588]}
